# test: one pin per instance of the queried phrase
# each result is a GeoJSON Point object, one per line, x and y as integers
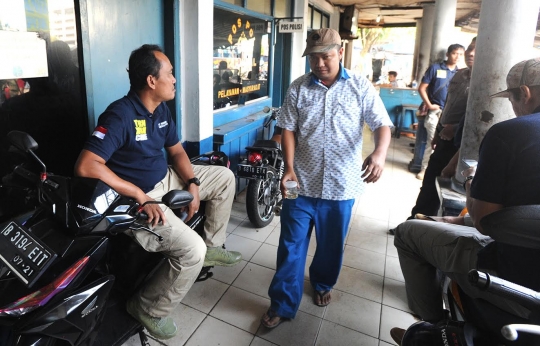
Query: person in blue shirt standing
{"type": "Point", "coordinates": [322, 119]}
{"type": "Point", "coordinates": [433, 90]}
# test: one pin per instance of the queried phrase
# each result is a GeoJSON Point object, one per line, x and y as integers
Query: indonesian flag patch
{"type": "Point", "coordinates": [100, 132]}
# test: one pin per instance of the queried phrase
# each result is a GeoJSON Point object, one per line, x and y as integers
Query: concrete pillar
{"type": "Point", "coordinates": [443, 27]}
{"type": "Point", "coordinates": [417, 42]}
{"type": "Point", "coordinates": [425, 41]}
{"type": "Point", "coordinates": [196, 73]}
{"type": "Point", "coordinates": [505, 37]}
{"type": "Point", "coordinates": [298, 41]}
{"type": "Point", "coordinates": [347, 55]}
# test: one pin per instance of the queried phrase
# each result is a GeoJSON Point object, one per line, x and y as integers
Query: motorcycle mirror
{"type": "Point", "coordinates": [22, 141]}
{"type": "Point", "coordinates": [175, 199]}
{"type": "Point", "coordinates": [266, 109]}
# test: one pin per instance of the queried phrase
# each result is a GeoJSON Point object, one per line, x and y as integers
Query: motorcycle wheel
{"type": "Point", "coordinates": [259, 202]}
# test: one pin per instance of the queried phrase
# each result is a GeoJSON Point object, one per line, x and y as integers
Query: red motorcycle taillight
{"type": "Point", "coordinates": [43, 295]}
{"type": "Point", "coordinates": [254, 158]}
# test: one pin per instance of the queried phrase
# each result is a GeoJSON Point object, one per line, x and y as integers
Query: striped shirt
{"type": "Point", "coordinates": [328, 124]}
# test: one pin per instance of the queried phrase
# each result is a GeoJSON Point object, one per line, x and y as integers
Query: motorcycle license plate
{"type": "Point", "coordinates": [248, 171]}
{"type": "Point", "coordinates": [26, 256]}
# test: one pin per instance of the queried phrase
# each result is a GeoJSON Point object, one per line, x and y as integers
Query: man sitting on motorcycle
{"type": "Point", "coordinates": [506, 175]}
{"type": "Point", "coordinates": [125, 151]}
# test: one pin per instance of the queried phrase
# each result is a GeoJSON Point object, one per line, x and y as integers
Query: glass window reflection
{"type": "Point", "coordinates": [283, 8]}
{"type": "Point", "coordinates": [240, 58]}
{"type": "Point", "coordinates": [40, 90]}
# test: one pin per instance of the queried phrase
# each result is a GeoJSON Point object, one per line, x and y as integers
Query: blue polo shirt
{"type": "Point", "coordinates": [131, 140]}
{"type": "Point", "coordinates": [438, 77]}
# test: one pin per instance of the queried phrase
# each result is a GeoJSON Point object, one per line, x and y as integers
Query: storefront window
{"type": "Point", "coordinates": [261, 6]}
{"type": "Point", "coordinates": [240, 64]}
{"type": "Point", "coordinates": [283, 8]}
{"type": "Point", "coordinates": [235, 2]}
{"type": "Point", "coordinates": [40, 80]}
{"type": "Point", "coordinates": [325, 22]}
{"type": "Point", "coordinates": [316, 20]}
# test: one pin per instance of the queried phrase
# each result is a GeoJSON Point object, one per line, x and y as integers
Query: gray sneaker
{"type": "Point", "coordinates": [158, 327]}
{"type": "Point", "coordinates": [218, 256]}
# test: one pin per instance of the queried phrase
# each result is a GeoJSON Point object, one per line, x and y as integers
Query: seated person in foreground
{"type": "Point", "coordinates": [507, 175]}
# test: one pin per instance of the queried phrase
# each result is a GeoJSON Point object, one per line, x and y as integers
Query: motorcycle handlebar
{"type": "Point", "coordinates": [519, 294]}
{"type": "Point", "coordinates": [273, 116]}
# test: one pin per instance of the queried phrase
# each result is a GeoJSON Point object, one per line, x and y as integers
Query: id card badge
{"type": "Point", "coordinates": [441, 73]}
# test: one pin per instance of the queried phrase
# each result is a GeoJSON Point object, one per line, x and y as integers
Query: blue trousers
{"type": "Point", "coordinates": [298, 216]}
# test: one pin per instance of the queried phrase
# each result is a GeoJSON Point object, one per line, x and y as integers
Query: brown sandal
{"type": "Point", "coordinates": [266, 319]}
{"type": "Point", "coordinates": [319, 297]}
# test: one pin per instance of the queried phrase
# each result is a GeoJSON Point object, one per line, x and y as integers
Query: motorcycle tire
{"type": "Point", "coordinates": [259, 213]}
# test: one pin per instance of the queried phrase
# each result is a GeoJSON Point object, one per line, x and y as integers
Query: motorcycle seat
{"type": "Point", "coordinates": [265, 144]}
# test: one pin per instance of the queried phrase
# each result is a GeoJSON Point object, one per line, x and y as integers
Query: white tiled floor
{"type": "Point", "coordinates": [368, 300]}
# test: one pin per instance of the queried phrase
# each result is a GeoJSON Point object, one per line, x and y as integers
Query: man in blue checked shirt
{"type": "Point", "coordinates": [322, 119]}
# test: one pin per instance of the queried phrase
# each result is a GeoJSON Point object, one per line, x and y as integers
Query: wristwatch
{"type": "Point", "coordinates": [194, 180]}
{"type": "Point", "coordinates": [470, 177]}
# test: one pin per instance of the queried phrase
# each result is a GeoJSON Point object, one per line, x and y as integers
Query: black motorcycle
{"type": "Point", "coordinates": [67, 268]}
{"type": "Point", "coordinates": [264, 169]}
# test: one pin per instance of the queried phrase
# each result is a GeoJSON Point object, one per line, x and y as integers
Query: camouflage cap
{"type": "Point", "coordinates": [526, 73]}
{"type": "Point", "coordinates": [322, 40]}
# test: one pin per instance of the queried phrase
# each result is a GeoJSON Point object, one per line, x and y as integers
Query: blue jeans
{"type": "Point", "coordinates": [298, 216]}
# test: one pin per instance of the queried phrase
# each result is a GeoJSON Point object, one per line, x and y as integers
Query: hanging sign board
{"type": "Point", "coordinates": [259, 28]}
{"type": "Point", "coordinates": [23, 55]}
{"type": "Point", "coordinates": [285, 27]}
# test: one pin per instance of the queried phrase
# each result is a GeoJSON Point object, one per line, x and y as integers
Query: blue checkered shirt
{"type": "Point", "coordinates": [328, 124]}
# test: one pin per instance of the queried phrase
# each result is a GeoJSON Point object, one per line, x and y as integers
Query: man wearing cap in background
{"type": "Point", "coordinates": [506, 176]}
{"type": "Point", "coordinates": [322, 119]}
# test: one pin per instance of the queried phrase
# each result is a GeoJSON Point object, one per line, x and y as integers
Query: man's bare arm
{"type": "Point", "coordinates": [182, 165]}
{"type": "Point", "coordinates": [90, 165]}
{"type": "Point", "coordinates": [288, 144]}
{"type": "Point", "coordinates": [374, 163]}
{"type": "Point", "coordinates": [422, 90]}
{"type": "Point", "coordinates": [478, 209]}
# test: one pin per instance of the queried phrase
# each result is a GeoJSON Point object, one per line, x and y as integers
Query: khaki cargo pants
{"type": "Point", "coordinates": [183, 247]}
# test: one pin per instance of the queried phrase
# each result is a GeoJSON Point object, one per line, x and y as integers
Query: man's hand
{"type": "Point", "coordinates": [154, 212]}
{"type": "Point", "coordinates": [447, 132]}
{"type": "Point", "coordinates": [195, 203]}
{"type": "Point", "coordinates": [469, 172]}
{"type": "Point", "coordinates": [449, 171]}
{"type": "Point", "coordinates": [434, 141]}
{"type": "Point", "coordinates": [288, 175]}
{"type": "Point", "coordinates": [433, 107]}
{"type": "Point", "coordinates": [373, 167]}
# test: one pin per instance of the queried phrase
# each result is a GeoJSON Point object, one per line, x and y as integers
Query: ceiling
{"type": "Point", "coordinates": [403, 13]}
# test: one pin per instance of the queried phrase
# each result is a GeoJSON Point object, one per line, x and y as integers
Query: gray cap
{"type": "Point", "coordinates": [526, 73]}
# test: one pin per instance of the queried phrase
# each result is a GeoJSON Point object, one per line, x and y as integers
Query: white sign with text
{"type": "Point", "coordinates": [285, 27]}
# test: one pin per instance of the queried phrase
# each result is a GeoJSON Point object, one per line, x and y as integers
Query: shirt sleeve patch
{"type": "Point", "coordinates": [99, 132]}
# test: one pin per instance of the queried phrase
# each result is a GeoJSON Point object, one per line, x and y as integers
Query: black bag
{"type": "Point", "coordinates": [422, 110]}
